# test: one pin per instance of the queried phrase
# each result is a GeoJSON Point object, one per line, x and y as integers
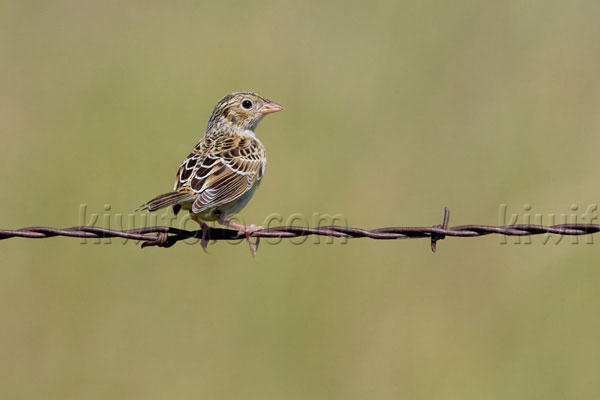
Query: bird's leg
{"type": "Point", "coordinates": [205, 228]}
{"type": "Point", "coordinates": [242, 229]}
{"type": "Point", "coordinates": [245, 230]}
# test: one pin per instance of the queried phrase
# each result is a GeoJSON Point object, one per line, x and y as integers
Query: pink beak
{"type": "Point", "coordinates": [270, 107]}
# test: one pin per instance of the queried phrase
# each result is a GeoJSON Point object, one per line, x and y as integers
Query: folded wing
{"type": "Point", "coordinates": [223, 172]}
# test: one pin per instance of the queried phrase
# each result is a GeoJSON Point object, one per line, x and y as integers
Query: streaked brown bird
{"type": "Point", "coordinates": [220, 175]}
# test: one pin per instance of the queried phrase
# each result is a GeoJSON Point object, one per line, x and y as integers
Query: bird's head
{"type": "Point", "coordinates": [242, 110]}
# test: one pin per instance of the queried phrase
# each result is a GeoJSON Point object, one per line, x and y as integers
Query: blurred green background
{"type": "Point", "coordinates": [393, 110]}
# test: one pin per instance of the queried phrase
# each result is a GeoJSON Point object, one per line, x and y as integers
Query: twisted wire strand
{"type": "Point", "coordinates": [165, 236]}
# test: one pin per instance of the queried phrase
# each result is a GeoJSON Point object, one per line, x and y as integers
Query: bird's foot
{"type": "Point", "coordinates": [203, 240]}
{"type": "Point", "coordinates": [246, 230]}
{"type": "Point", "coordinates": [205, 228]}
{"type": "Point", "coordinates": [249, 229]}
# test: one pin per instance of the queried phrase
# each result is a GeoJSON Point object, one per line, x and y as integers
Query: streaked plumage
{"type": "Point", "coordinates": [220, 175]}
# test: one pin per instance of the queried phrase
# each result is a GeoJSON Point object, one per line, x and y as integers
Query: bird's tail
{"type": "Point", "coordinates": [165, 200]}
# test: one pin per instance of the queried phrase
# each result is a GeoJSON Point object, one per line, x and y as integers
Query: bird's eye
{"type": "Point", "coordinates": [247, 104]}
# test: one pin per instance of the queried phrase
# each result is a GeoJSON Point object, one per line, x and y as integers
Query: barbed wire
{"type": "Point", "coordinates": [165, 236]}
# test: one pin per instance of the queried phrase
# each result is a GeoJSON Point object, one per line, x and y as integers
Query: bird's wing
{"type": "Point", "coordinates": [223, 171]}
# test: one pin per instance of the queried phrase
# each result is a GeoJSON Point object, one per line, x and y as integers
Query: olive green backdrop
{"type": "Point", "coordinates": [393, 110]}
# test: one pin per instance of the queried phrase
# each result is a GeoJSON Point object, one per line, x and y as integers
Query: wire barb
{"type": "Point", "coordinates": [165, 236]}
{"type": "Point", "coordinates": [437, 236]}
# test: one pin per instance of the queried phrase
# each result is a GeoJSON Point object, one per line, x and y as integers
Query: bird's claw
{"type": "Point", "coordinates": [203, 240]}
{"type": "Point", "coordinates": [248, 231]}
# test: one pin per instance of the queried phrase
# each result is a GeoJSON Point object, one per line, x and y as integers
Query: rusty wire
{"type": "Point", "coordinates": [165, 236]}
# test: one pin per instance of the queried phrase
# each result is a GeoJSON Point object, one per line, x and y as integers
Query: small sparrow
{"type": "Point", "coordinates": [220, 175]}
